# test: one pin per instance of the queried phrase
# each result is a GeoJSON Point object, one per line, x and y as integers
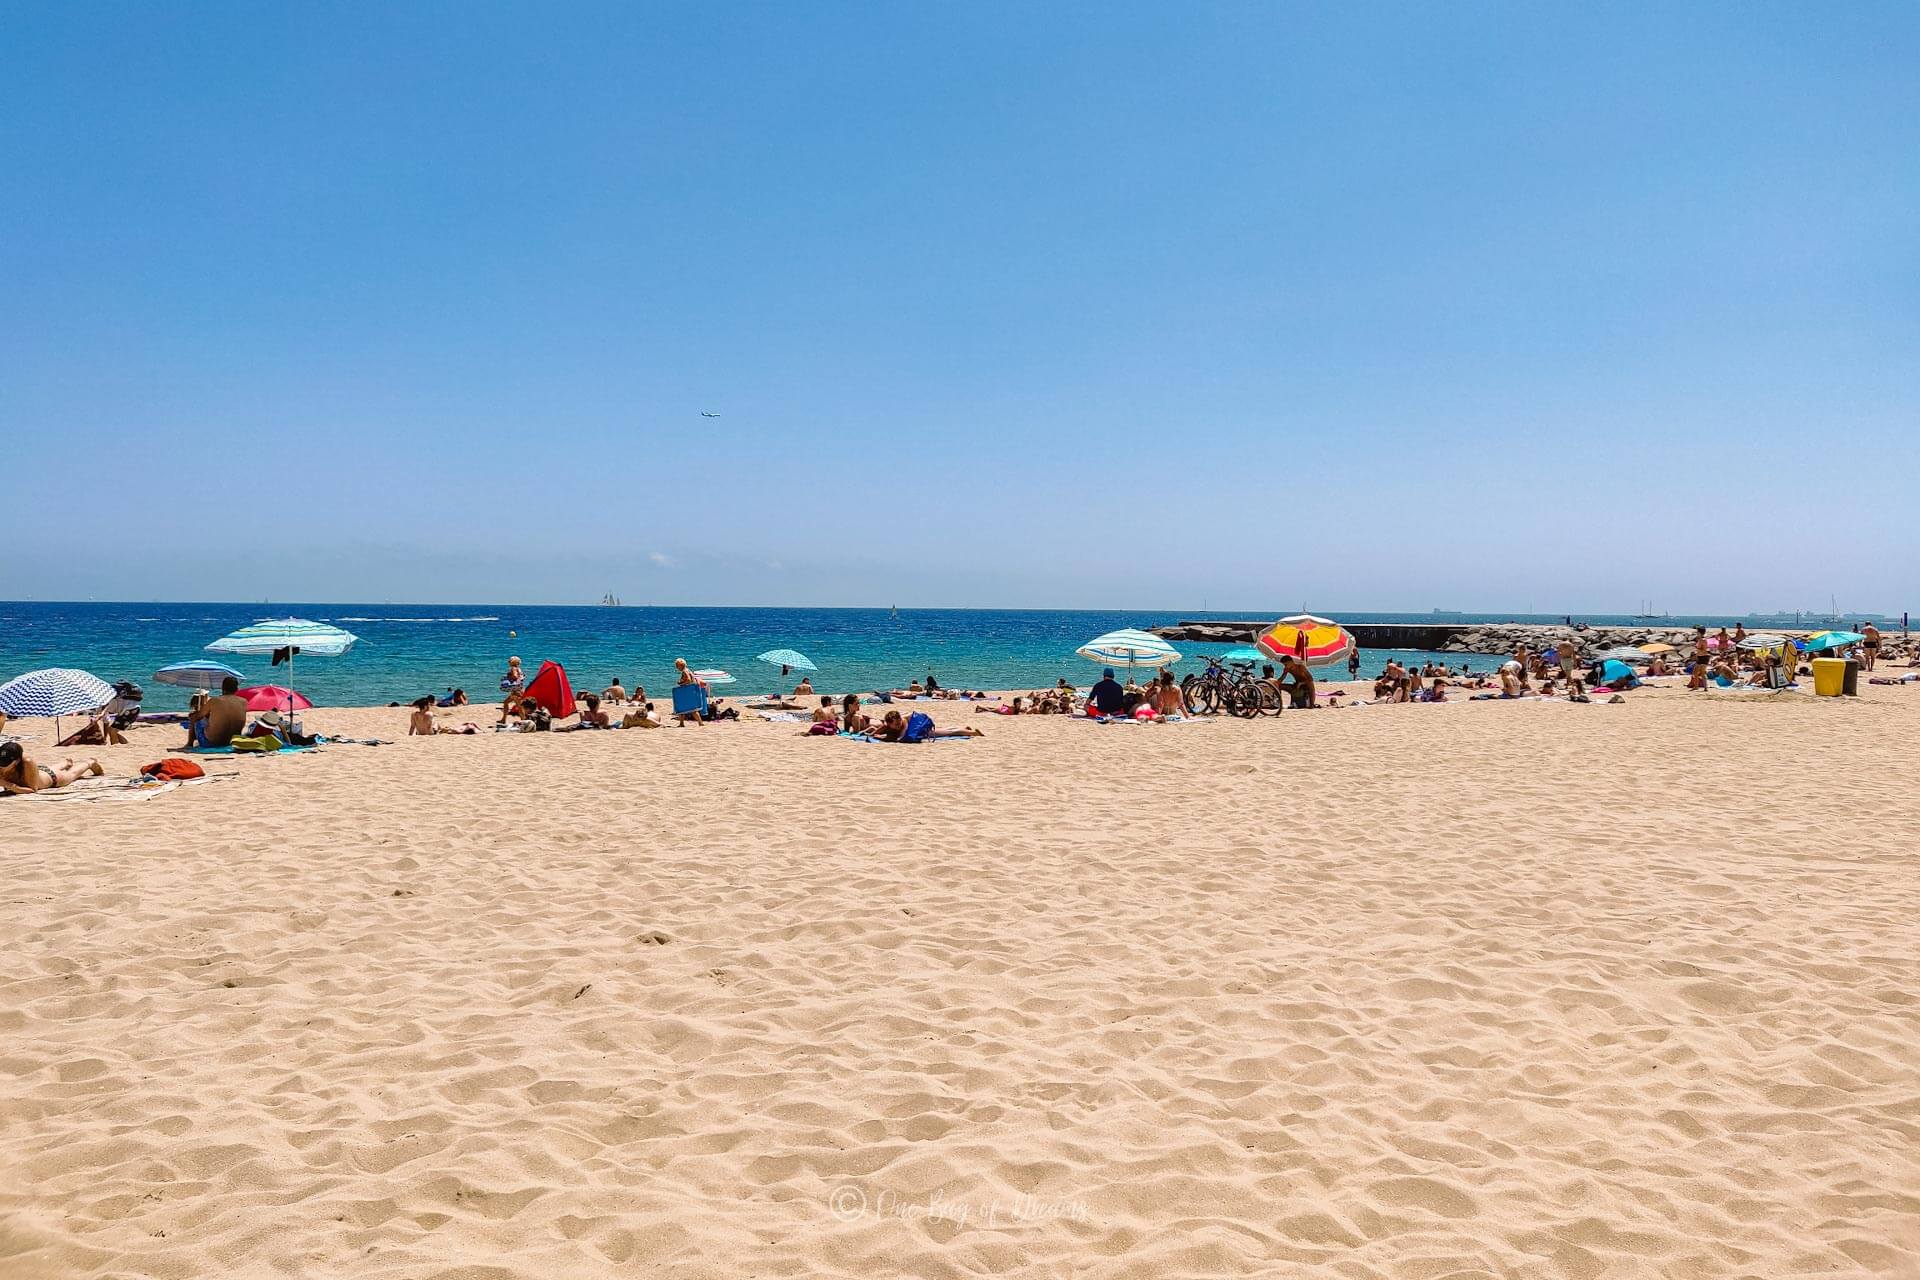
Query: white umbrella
{"type": "Point", "coordinates": [1129, 648]}
{"type": "Point", "coordinates": [713, 675]}
{"type": "Point", "coordinates": [295, 635]}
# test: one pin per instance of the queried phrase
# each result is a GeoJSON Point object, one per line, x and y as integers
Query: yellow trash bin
{"type": "Point", "coordinates": [1829, 677]}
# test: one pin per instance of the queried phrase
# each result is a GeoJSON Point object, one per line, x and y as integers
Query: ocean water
{"type": "Point", "coordinates": [409, 650]}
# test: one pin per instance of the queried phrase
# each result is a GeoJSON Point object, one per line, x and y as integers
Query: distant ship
{"type": "Point", "coordinates": [1448, 613]}
{"type": "Point", "coordinates": [1647, 614]}
{"type": "Point", "coordinates": [610, 600]}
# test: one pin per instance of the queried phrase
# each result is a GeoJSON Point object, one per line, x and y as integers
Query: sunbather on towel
{"type": "Point", "coordinates": [852, 718]}
{"type": "Point", "coordinates": [20, 775]}
{"type": "Point", "coordinates": [894, 729]}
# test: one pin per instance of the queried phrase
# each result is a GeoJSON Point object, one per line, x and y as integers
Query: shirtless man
{"type": "Point", "coordinates": [1570, 667]}
{"type": "Point", "coordinates": [220, 719]}
{"type": "Point", "coordinates": [1297, 680]}
{"type": "Point", "coordinates": [615, 692]}
{"type": "Point", "coordinates": [1870, 646]}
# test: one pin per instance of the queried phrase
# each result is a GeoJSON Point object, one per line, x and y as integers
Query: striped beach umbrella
{"type": "Point", "coordinates": [713, 675]}
{"type": "Point", "coordinates": [789, 658]}
{"type": "Point", "coordinates": [54, 691]}
{"type": "Point", "coordinates": [1128, 648]}
{"type": "Point", "coordinates": [295, 635]}
{"type": "Point", "coordinates": [315, 638]}
{"type": "Point", "coordinates": [201, 673]}
{"type": "Point", "coordinates": [1318, 642]}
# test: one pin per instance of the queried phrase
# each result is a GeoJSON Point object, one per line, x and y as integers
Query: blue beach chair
{"type": "Point", "coordinates": [690, 699]}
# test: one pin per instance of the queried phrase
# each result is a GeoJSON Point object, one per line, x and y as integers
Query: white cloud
{"type": "Point", "coordinates": [661, 558]}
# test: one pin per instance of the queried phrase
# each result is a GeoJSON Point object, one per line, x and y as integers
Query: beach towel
{"type": "Point", "coordinates": [231, 751]}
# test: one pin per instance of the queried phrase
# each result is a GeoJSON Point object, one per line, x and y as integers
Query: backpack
{"type": "Point", "coordinates": [919, 725]}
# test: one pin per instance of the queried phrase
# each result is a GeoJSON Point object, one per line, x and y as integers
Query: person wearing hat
{"type": "Point", "coordinates": [1107, 698]}
{"type": "Point", "coordinates": [266, 725]}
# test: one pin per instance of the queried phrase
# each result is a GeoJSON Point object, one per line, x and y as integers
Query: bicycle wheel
{"type": "Point", "coordinates": [1272, 700]}
{"type": "Point", "coordinates": [1243, 699]}
{"type": "Point", "coordinates": [1201, 695]}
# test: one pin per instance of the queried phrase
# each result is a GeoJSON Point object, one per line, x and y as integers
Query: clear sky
{"type": "Point", "coordinates": [1108, 305]}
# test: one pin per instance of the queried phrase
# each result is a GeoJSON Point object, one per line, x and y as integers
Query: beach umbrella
{"type": "Point", "coordinates": [198, 674]}
{"type": "Point", "coordinates": [713, 675]}
{"type": "Point", "coordinates": [1128, 647]}
{"type": "Point", "coordinates": [1765, 640]}
{"type": "Point", "coordinates": [1821, 641]}
{"type": "Point", "coordinates": [291, 635]}
{"type": "Point", "coordinates": [1656, 646]}
{"type": "Point", "coordinates": [1624, 653]}
{"type": "Point", "coordinates": [1326, 642]}
{"type": "Point", "coordinates": [56, 692]}
{"type": "Point", "coordinates": [789, 658]}
{"type": "Point", "coordinates": [271, 697]}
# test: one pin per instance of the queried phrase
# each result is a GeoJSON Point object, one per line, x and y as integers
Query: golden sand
{"type": "Point", "coordinates": [1527, 989]}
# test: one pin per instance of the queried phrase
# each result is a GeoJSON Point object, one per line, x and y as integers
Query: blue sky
{"type": "Point", "coordinates": [1104, 305]}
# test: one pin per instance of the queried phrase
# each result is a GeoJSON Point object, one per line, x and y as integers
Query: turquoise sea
{"type": "Point", "coordinates": [409, 650]}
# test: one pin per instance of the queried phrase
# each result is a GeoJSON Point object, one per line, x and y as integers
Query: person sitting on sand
{"type": "Point", "coordinates": [220, 719]}
{"type": "Point", "coordinates": [1298, 681]}
{"type": "Point", "coordinates": [420, 723]}
{"type": "Point", "coordinates": [20, 775]}
{"type": "Point", "coordinates": [1510, 672]}
{"type": "Point", "coordinates": [1107, 698]}
{"type": "Point", "coordinates": [615, 693]}
{"type": "Point", "coordinates": [852, 718]}
{"type": "Point", "coordinates": [933, 686]}
{"type": "Point", "coordinates": [894, 729]}
{"type": "Point", "coordinates": [717, 710]}
{"type": "Point", "coordinates": [804, 689]}
{"type": "Point", "coordinates": [593, 717]}
{"type": "Point", "coordinates": [824, 713]}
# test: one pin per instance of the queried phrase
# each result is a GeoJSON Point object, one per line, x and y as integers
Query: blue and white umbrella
{"type": "Point", "coordinates": [789, 658]}
{"type": "Point", "coordinates": [1128, 648]}
{"type": "Point", "coordinates": [198, 674]}
{"type": "Point", "coordinates": [54, 691]}
{"type": "Point", "coordinates": [316, 638]}
{"type": "Point", "coordinates": [295, 635]}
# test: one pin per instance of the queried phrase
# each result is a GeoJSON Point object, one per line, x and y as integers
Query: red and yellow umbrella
{"type": "Point", "coordinates": [1318, 642]}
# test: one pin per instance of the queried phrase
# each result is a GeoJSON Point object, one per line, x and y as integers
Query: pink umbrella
{"type": "Point", "coordinates": [272, 697]}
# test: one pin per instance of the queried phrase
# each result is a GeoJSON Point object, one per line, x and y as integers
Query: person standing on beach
{"type": "Point", "coordinates": [1700, 647]}
{"type": "Point", "coordinates": [515, 681]}
{"type": "Point", "coordinates": [1869, 645]}
{"type": "Point", "coordinates": [1353, 663]}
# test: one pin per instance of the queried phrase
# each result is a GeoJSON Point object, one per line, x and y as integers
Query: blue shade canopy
{"type": "Point", "coordinates": [1822, 641]}
{"type": "Point", "coordinates": [1243, 654]}
{"type": "Point", "coordinates": [54, 691]}
{"type": "Point", "coordinates": [789, 658]}
{"type": "Point", "coordinates": [315, 638]}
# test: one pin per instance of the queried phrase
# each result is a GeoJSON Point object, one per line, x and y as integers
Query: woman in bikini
{"type": "Point", "coordinates": [20, 776]}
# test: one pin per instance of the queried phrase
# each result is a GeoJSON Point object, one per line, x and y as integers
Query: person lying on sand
{"type": "Point", "coordinates": [641, 717]}
{"type": "Point", "coordinates": [1015, 708]}
{"type": "Point", "coordinates": [20, 775]}
{"type": "Point", "coordinates": [894, 729]}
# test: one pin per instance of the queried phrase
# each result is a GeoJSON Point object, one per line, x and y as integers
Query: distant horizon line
{"type": "Point", "coordinates": [1202, 609]}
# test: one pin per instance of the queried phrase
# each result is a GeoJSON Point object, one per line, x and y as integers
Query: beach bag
{"type": "Point", "coordinates": [261, 744]}
{"type": "Point", "coordinates": [919, 725]}
{"type": "Point", "coordinates": [173, 769]}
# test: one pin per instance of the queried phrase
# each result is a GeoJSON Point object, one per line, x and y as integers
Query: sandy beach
{"type": "Point", "coordinates": [1473, 990]}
